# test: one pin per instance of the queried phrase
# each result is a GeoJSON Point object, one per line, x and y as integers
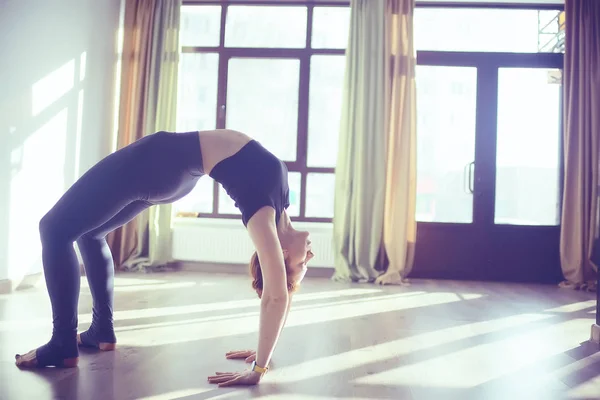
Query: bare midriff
{"type": "Point", "coordinates": [219, 144]}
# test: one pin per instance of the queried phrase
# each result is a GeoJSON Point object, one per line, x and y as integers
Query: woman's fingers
{"type": "Point", "coordinates": [219, 377]}
{"type": "Point", "coordinates": [238, 354]}
{"type": "Point", "coordinates": [222, 378]}
{"type": "Point", "coordinates": [231, 382]}
{"type": "Point", "coordinates": [251, 358]}
{"type": "Point", "coordinates": [222, 374]}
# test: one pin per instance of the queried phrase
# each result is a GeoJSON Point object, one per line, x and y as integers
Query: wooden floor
{"type": "Point", "coordinates": [430, 340]}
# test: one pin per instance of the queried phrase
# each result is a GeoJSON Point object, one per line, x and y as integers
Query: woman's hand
{"type": "Point", "coordinates": [248, 355]}
{"type": "Point", "coordinates": [246, 378]}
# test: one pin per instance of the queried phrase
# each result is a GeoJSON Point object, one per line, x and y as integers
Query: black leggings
{"type": "Point", "coordinates": [158, 169]}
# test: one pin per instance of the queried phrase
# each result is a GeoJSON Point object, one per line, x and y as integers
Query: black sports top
{"type": "Point", "coordinates": [253, 177]}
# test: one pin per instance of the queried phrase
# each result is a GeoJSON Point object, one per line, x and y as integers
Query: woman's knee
{"type": "Point", "coordinates": [52, 229]}
{"type": "Point", "coordinates": [46, 226]}
{"type": "Point", "coordinates": [90, 237]}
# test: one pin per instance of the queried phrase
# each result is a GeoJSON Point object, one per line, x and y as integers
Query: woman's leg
{"type": "Point", "coordinates": [100, 270]}
{"type": "Point", "coordinates": [99, 195]}
{"type": "Point", "coordinates": [156, 168]}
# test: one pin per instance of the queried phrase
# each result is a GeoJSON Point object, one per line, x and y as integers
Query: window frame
{"type": "Point", "coordinates": [304, 55]}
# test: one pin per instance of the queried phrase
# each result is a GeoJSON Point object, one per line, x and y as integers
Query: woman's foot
{"type": "Point", "coordinates": [48, 355]}
{"type": "Point", "coordinates": [90, 338]}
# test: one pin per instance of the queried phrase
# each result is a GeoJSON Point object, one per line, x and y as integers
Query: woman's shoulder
{"type": "Point", "coordinates": [261, 220]}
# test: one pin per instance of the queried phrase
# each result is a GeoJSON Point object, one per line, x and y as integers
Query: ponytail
{"type": "Point", "coordinates": [257, 279]}
{"type": "Point", "coordinates": [256, 274]}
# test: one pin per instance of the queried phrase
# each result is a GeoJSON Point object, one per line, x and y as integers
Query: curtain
{"type": "Point", "coordinates": [579, 226]}
{"type": "Point", "coordinates": [147, 105]}
{"type": "Point", "coordinates": [376, 135]}
{"type": "Point", "coordinates": [400, 226]}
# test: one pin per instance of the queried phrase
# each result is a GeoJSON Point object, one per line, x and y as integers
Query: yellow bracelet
{"type": "Point", "coordinates": [258, 369]}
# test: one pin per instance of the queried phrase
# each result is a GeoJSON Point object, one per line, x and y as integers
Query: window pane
{"type": "Point", "coordinates": [226, 204]}
{"type": "Point", "coordinates": [528, 152]}
{"type": "Point", "coordinates": [320, 190]}
{"type": "Point", "coordinates": [331, 27]}
{"type": "Point", "coordinates": [262, 101]}
{"type": "Point", "coordinates": [263, 26]}
{"type": "Point", "coordinates": [446, 99]}
{"type": "Point", "coordinates": [295, 188]}
{"type": "Point", "coordinates": [489, 30]}
{"type": "Point", "coordinates": [200, 26]}
{"type": "Point", "coordinates": [197, 91]}
{"type": "Point", "coordinates": [325, 109]}
{"type": "Point", "coordinates": [199, 200]}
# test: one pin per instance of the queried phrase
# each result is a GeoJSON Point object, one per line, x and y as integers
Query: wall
{"type": "Point", "coordinates": [56, 112]}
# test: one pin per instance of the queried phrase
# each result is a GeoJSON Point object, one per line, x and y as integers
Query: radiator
{"type": "Point", "coordinates": [214, 240]}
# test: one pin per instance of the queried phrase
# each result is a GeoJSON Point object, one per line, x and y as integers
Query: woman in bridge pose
{"type": "Point", "coordinates": [157, 169]}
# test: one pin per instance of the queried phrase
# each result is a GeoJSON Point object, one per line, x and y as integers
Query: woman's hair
{"type": "Point", "coordinates": [257, 281]}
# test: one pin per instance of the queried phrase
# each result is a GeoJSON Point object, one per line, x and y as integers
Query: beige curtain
{"type": "Point", "coordinates": [581, 145]}
{"type": "Point", "coordinates": [360, 169]}
{"type": "Point", "coordinates": [376, 136]}
{"type": "Point", "coordinates": [147, 105]}
{"type": "Point", "coordinates": [399, 224]}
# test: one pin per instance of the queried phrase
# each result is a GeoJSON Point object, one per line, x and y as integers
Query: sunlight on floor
{"type": "Point", "coordinates": [122, 281]}
{"type": "Point", "coordinates": [23, 324]}
{"type": "Point", "coordinates": [244, 323]}
{"type": "Point", "coordinates": [346, 342]}
{"type": "Point", "coordinates": [295, 396]}
{"type": "Point", "coordinates": [150, 287]}
{"type": "Point", "coordinates": [587, 390]}
{"type": "Point", "coordinates": [573, 307]}
{"type": "Point", "coordinates": [478, 364]}
{"type": "Point", "coordinates": [389, 351]}
{"type": "Point", "coordinates": [177, 394]}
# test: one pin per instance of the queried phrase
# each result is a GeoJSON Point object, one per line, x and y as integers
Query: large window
{"type": "Point", "coordinates": [276, 73]}
{"type": "Point", "coordinates": [510, 30]}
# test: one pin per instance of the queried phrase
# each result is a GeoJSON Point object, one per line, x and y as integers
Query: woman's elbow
{"type": "Point", "coordinates": [275, 298]}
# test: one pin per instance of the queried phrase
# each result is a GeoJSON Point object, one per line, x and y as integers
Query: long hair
{"type": "Point", "coordinates": [257, 279]}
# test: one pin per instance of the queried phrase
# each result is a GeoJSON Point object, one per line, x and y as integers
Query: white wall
{"type": "Point", "coordinates": [56, 111]}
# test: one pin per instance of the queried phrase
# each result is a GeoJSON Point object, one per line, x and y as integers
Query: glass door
{"type": "Point", "coordinates": [448, 192]}
{"type": "Point", "coordinates": [489, 167]}
{"type": "Point", "coordinates": [528, 160]}
{"type": "Point", "coordinates": [446, 120]}
{"type": "Point", "coordinates": [524, 240]}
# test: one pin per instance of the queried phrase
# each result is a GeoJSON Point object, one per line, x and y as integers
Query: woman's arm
{"type": "Point", "coordinates": [275, 298]}
{"type": "Point", "coordinates": [250, 355]}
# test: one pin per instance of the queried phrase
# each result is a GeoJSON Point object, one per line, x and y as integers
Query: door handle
{"type": "Point", "coordinates": [221, 114]}
{"type": "Point", "coordinates": [471, 166]}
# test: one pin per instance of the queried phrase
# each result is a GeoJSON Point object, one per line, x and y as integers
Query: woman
{"type": "Point", "coordinates": [162, 168]}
